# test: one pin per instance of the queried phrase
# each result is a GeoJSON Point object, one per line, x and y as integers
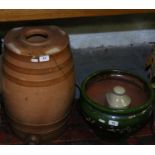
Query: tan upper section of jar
{"type": "Point", "coordinates": [36, 41]}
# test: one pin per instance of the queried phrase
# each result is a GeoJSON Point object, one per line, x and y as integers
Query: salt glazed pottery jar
{"type": "Point", "coordinates": [38, 81]}
{"type": "Point", "coordinates": [116, 119]}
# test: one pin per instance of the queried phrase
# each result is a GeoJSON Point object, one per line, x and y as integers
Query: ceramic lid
{"type": "Point", "coordinates": [117, 98]}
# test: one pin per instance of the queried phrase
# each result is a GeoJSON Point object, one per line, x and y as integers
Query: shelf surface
{"type": "Point", "coordinates": [7, 15]}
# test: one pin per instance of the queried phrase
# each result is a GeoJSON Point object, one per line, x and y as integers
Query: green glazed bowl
{"type": "Point", "coordinates": [118, 121]}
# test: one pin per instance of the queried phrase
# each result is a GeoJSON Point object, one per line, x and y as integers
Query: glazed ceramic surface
{"type": "Point", "coordinates": [38, 80]}
{"type": "Point", "coordinates": [96, 109]}
{"type": "Point", "coordinates": [117, 98]}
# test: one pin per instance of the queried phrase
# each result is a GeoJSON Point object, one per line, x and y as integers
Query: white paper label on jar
{"type": "Point", "coordinates": [34, 60]}
{"type": "Point", "coordinates": [44, 58]}
{"type": "Point", "coordinates": [101, 120]}
{"type": "Point", "coordinates": [113, 123]}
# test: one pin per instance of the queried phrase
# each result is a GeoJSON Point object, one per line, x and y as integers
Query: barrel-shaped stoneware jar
{"type": "Point", "coordinates": [38, 81]}
{"type": "Point", "coordinates": [111, 120]}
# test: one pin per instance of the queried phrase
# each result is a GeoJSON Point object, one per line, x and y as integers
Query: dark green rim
{"type": "Point", "coordinates": [116, 111]}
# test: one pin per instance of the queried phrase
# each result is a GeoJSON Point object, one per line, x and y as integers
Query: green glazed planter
{"type": "Point", "coordinates": [117, 121]}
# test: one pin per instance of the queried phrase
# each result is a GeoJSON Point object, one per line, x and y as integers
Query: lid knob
{"type": "Point", "coordinates": [119, 90]}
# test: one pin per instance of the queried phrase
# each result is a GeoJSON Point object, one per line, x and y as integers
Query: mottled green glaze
{"type": "Point", "coordinates": [117, 121]}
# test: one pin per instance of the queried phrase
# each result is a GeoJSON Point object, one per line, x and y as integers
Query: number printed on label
{"type": "Point", "coordinates": [113, 123]}
{"type": "Point", "coordinates": [44, 58]}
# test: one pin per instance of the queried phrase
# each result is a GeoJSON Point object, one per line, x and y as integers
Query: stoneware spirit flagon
{"type": "Point", "coordinates": [38, 81]}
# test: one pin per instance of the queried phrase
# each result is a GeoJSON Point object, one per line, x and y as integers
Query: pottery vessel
{"type": "Point", "coordinates": [113, 120]}
{"type": "Point", "coordinates": [38, 81]}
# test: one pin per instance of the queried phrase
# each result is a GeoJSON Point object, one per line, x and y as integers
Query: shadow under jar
{"type": "Point", "coordinates": [115, 121]}
{"type": "Point", "coordinates": [38, 81]}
